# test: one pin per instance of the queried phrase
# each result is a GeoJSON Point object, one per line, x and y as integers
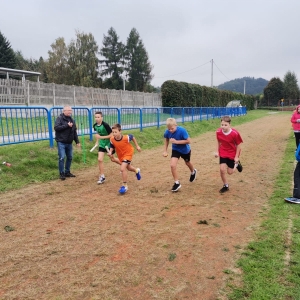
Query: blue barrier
{"type": "Point", "coordinates": [21, 124]}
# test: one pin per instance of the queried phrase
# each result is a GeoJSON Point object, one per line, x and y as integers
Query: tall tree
{"type": "Point", "coordinates": [83, 60]}
{"type": "Point", "coordinates": [274, 91]}
{"type": "Point", "coordinates": [7, 55]}
{"type": "Point", "coordinates": [291, 88]}
{"type": "Point", "coordinates": [138, 66]}
{"type": "Point", "coordinates": [113, 63]}
{"type": "Point", "coordinates": [57, 67]}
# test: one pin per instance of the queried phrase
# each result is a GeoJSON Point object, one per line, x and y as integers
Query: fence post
{"type": "Point", "coordinates": [54, 94]}
{"type": "Point", "coordinates": [74, 95]}
{"type": "Point", "coordinates": [28, 98]}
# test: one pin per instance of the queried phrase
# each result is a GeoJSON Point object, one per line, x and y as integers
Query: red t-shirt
{"type": "Point", "coordinates": [228, 142]}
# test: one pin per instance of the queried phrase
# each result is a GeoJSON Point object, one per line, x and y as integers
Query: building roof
{"type": "Point", "coordinates": [18, 72]}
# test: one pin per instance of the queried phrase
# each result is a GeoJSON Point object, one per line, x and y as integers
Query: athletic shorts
{"type": "Point", "coordinates": [185, 157]}
{"type": "Point", "coordinates": [229, 162]}
{"type": "Point", "coordinates": [104, 150]}
{"type": "Point", "coordinates": [126, 161]}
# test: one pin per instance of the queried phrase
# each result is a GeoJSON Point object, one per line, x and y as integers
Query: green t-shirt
{"type": "Point", "coordinates": [103, 129]}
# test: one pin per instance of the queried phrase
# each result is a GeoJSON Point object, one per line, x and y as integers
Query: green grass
{"type": "Point", "coordinates": [266, 276]}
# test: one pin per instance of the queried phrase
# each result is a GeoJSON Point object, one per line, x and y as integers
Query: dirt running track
{"type": "Point", "coordinates": [77, 240]}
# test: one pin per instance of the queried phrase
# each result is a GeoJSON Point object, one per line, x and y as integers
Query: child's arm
{"type": "Point", "coordinates": [237, 153]}
{"type": "Point", "coordinates": [217, 151]}
{"type": "Point", "coordinates": [180, 142]}
{"type": "Point", "coordinates": [166, 144]}
{"type": "Point", "coordinates": [138, 148]}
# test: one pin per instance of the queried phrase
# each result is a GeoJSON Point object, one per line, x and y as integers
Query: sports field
{"type": "Point", "coordinates": [75, 239]}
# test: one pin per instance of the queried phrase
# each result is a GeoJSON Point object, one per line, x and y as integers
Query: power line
{"type": "Point", "coordinates": [221, 71]}
{"type": "Point", "coordinates": [184, 71]}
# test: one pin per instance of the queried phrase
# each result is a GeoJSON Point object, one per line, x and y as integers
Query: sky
{"type": "Point", "coordinates": [206, 42]}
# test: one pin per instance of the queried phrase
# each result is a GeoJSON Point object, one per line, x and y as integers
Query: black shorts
{"type": "Point", "coordinates": [229, 162]}
{"type": "Point", "coordinates": [104, 150]}
{"type": "Point", "coordinates": [185, 157]}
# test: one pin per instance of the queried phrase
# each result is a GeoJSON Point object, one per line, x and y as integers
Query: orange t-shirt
{"type": "Point", "coordinates": [123, 147]}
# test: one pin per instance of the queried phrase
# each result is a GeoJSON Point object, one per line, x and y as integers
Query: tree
{"type": "Point", "coordinates": [31, 65]}
{"type": "Point", "coordinates": [138, 66]}
{"type": "Point", "coordinates": [83, 60]}
{"type": "Point", "coordinates": [274, 91]}
{"type": "Point", "coordinates": [291, 88]}
{"type": "Point", "coordinates": [58, 70]}
{"type": "Point", "coordinates": [113, 62]}
{"type": "Point", "coordinates": [7, 55]}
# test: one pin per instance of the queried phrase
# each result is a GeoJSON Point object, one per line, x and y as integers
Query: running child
{"type": "Point", "coordinates": [229, 143]}
{"type": "Point", "coordinates": [104, 133]}
{"type": "Point", "coordinates": [121, 144]}
{"type": "Point", "coordinates": [180, 140]}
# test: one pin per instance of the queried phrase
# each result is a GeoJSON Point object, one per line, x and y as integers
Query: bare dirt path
{"type": "Point", "coordinates": [77, 240]}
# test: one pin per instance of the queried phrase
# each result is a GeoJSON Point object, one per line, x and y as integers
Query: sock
{"type": "Point", "coordinates": [193, 172]}
{"type": "Point", "coordinates": [102, 175]}
{"type": "Point", "coordinates": [177, 181]}
{"type": "Point", "coordinates": [226, 184]}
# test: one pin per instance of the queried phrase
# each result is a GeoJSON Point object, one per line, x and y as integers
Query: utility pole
{"type": "Point", "coordinates": [244, 87]}
{"type": "Point", "coordinates": [212, 73]}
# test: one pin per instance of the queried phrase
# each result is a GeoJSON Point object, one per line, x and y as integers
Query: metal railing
{"type": "Point", "coordinates": [22, 124]}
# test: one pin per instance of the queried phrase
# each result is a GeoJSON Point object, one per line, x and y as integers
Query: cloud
{"type": "Point", "coordinates": [244, 38]}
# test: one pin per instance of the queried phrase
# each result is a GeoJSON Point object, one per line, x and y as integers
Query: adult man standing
{"type": "Point", "coordinates": [65, 134]}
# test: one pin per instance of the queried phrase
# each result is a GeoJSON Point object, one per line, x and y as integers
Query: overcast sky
{"type": "Point", "coordinates": [256, 38]}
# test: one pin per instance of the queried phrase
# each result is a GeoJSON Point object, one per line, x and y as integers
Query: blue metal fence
{"type": "Point", "coordinates": [21, 124]}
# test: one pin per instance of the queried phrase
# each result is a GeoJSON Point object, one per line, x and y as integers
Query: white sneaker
{"type": "Point", "coordinates": [101, 180]}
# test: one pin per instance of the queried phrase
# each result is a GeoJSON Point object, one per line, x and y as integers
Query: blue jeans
{"type": "Point", "coordinates": [64, 150]}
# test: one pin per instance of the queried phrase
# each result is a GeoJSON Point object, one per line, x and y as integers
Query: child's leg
{"type": "Point", "coordinates": [100, 162]}
{"type": "Point", "coordinates": [190, 166]}
{"type": "Point", "coordinates": [124, 172]}
{"type": "Point", "coordinates": [115, 160]}
{"type": "Point", "coordinates": [223, 169]}
{"type": "Point", "coordinates": [173, 165]}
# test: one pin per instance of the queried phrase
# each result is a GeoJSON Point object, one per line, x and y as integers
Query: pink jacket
{"type": "Point", "coordinates": [294, 118]}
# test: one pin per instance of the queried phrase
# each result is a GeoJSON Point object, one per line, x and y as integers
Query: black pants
{"type": "Point", "coordinates": [296, 191]}
{"type": "Point", "coordinates": [297, 138]}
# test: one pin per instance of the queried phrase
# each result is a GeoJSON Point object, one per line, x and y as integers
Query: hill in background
{"type": "Point", "coordinates": [253, 86]}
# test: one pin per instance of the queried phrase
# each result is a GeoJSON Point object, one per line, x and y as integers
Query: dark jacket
{"type": "Point", "coordinates": [63, 132]}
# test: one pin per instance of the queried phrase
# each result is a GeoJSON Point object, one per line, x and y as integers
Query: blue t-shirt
{"type": "Point", "coordinates": [179, 134]}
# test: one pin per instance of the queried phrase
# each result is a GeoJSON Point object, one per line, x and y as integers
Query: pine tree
{"type": "Point", "coordinates": [7, 55]}
{"type": "Point", "coordinates": [138, 66]}
{"type": "Point", "coordinates": [113, 63]}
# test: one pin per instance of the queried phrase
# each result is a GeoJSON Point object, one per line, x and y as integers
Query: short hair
{"type": "Point", "coordinates": [98, 113]}
{"type": "Point", "coordinates": [226, 119]}
{"type": "Point", "coordinates": [116, 126]}
{"type": "Point", "coordinates": [170, 122]}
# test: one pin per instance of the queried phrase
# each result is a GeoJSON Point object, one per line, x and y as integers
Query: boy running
{"type": "Point", "coordinates": [180, 140]}
{"type": "Point", "coordinates": [104, 133]}
{"type": "Point", "coordinates": [121, 144]}
{"type": "Point", "coordinates": [228, 149]}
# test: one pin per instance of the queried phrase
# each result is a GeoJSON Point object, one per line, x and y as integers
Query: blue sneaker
{"type": "Point", "coordinates": [138, 174]}
{"type": "Point", "coordinates": [123, 189]}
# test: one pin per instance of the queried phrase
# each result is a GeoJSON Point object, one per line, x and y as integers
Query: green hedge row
{"type": "Point", "coordinates": [183, 94]}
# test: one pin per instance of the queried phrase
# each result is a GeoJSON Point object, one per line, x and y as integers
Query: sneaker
{"type": "Point", "coordinates": [239, 167]}
{"type": "Point", "coordinates": [176, 187]}
{"type": "Point", "coordinates": [69, 175]}
{"type": "Point", "coordinates": [193, 176]}
{"type": "Point", "coordinates": [62, 176]}
{"type": "Point", "coordinates": [224, 189]}
{"type": "Point", "coordinates": [101, 180]}
{"type": "Point", "coordinates": [123, 189]}
{"type": "Point", "coordinates": [138, 174]}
